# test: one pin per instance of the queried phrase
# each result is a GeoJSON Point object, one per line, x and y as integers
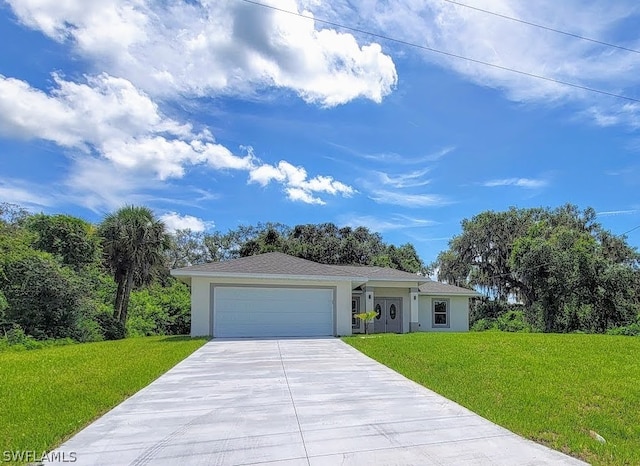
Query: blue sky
{"type": "Point", "coordinates": [220, 113]}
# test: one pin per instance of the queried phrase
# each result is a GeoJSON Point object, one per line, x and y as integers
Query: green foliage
{"type": "Point", "coordinates": [513, 321]}
{"type": "Point", "coordinates": [134, 242]}
{"type": "Point", "coordinates": [15, 339]}
{"type": "Point", "coordinates": [553, 389]}
{"type": "Point", "coordinates": [71, 239]}
{"type": "Point", "coordinates": [110, 327]}
{"type": "Point", "coordinates": [158, 310]}
{"type": "Point", "coordinates": [43, 298]}
{"type": "Point", "coordinates": [324, 243]}
{"type": "Point", "coordinates": [568, 272]}
{"type": "Point", "coordinates": [484, 324]}
{"type": "Point", "coordinates": [50, 394]}
{"type": "Point", "coordinates": [631, 330]}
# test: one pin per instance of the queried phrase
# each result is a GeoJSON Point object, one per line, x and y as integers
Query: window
{"type": "Point", "coordinates": [355, 309]}
{"type": "Point", "coordinates": [440, 313]}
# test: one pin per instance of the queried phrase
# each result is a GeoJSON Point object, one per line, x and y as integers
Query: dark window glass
{"type": "Point", "coordinates": [392, 311]}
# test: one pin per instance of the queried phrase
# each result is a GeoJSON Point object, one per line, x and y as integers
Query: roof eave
{"type": "Point", "coordinates": [268, 276]}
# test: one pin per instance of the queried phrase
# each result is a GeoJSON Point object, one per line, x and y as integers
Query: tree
{"type": "Point", "coordinates": [133, 242]}
{"type": "Point", "coordinates": [366, 317]}
{"type": "Point", "coordinates": [71, 239]}
{"type": "Point", "coordinates": [568, 272]}
{"type": "Point", "coordinates": [187, 248]}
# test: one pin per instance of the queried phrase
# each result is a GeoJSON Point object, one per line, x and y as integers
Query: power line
{"type": "Point", "coordinates": [448, 54]}
{"type": "Point", "coordinates": [546, 28]}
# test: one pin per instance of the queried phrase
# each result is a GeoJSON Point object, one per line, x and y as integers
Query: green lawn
{"type": "Point", "coordinates": [553, 389]}
{"type": "Point", "coordinates": [48, 394]}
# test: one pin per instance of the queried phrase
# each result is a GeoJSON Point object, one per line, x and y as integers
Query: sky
{"type": "Point", "coordinates": [217, 113]}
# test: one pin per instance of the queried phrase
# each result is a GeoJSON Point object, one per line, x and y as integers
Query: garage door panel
{"type": "Point", "coordinates": [256, 312]}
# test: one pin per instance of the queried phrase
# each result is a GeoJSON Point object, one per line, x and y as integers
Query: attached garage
{"type": "Point", "coordinates": [248, 311]}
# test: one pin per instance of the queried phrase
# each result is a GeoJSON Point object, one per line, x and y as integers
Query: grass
{"type": "Point", "coordinates": [553, 389]}
{"type": "Point", "coordinates": [48, 394]}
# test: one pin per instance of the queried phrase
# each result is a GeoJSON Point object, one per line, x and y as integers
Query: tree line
{"type": "Point", "coordinates": [62, 277]}
{"type": "Point", "coordinates": [559, 269]}
{"type": "Point", "coordinates": [540, 269]}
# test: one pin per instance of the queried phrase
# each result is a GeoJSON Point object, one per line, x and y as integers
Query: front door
{"type": "Point", "coordinates": [388, 315]}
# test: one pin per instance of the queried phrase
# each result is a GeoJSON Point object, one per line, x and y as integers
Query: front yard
{"type": "Point", "coordinates": [49, 394]}
{"type": "Point", "coordinates": [554, 389]}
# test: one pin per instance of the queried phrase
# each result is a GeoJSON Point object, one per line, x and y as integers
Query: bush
{"type": "Point", "coordinates": [110, 327]}
{"type": "Point", "coordinates": [513, 321]}
{"type": "Point", "coordinates": [631, 330]}
{"type": "Point", "coordinates": [42, 297]}
{"type": "Point", "coordinates": [159, 310]}
{"type": "Point", "coordinates": [482, 325]}
{"type": "Point", "coordinates": [15, 339]}
{"type": "Point", "coordinates": [487, 309]}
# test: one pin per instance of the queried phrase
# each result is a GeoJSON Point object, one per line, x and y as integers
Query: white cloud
{"type": "Point", "coordinates": [462, 31]}
{"type": "Point", "coordinates": [393, 222]}
{"type": "Point", "coordinates": [297, 184]}
{"type": "Point", "coordinates": [617, 212]}
{"type": "Point", "coordinates": [408, 200]}
{"type": "Point", "coordinates": [109, 116]}
{"type": "Point", "coordinates": [213, 47]}
{"type": "Point", "coordinates": [112, 128]}
{"type": "Point", "coordinates": [174, 221]}
{"type": "Point", "coordinates": [19, 192]}
{"type": "Point", "coordinates": [404, 180]}
{"type": "Point", "coordinates": [529, 183]}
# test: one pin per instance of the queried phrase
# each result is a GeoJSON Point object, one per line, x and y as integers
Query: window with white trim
{"type": "Point", "coordinates": [440, 309]}
{"type": "Point", "coordinates": [355, 309]}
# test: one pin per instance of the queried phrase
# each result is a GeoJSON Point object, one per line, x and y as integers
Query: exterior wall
{"type": "Point", "coordinates": [343, 309]}
{"type": "Point", "coordinates": [201, 306]}
{"type": "Point", "coordinates": [380, 292]}
{"type": "Point", "coordinates": [458, 314]}
{"type": "Point", "coordinates": [362, 299]}
{"type": "Point", "coordinates": [200, 315]}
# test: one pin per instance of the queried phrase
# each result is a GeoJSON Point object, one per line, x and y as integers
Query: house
{"type": "Point", "coordinates": [277, 295]}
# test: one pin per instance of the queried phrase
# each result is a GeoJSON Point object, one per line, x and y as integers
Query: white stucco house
{"type": "Point", "coordinates": [277, 295]}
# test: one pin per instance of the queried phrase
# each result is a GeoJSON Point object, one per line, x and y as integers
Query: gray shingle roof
{"type": "Point", "coordinates": [277, 263]}
{"type": "Point", "coordinates": [271, 263]}
{"type": "Point", "coordinates": [432, 287]}
{"type": "Point", "coordinates": [380, 273]}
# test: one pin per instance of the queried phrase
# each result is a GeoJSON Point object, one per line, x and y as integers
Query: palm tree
{"type": "Point", "coordinates": [133, 243]}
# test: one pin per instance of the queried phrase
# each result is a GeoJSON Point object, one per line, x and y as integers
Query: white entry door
{"type": "Point", "coordinates": [272, 312]}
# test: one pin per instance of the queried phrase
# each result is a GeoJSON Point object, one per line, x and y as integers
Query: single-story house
{"type": "Point", "coordinates": [277, 295]}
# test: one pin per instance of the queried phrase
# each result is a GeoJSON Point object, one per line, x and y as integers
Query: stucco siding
{"type": "Point", "coordinates": [201, 307]}
{"type": "Point", "coordinates": [458, 314]}
{"type": "Point", "coordinates": [343, 308]}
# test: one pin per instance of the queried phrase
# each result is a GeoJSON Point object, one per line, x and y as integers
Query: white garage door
{"type": "Point", "coordinates": [272, 312]}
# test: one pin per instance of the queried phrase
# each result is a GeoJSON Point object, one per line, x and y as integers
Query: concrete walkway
{"type": "Point", "coordinates": [295, 402]}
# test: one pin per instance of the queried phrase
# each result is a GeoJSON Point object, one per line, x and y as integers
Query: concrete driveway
{"type": "Point", "coordinates": [294, 402]}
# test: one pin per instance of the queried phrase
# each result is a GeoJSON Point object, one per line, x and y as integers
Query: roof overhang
{"type": "Point", "coordinates": [186, 276]}
{"type": "Point", "coordinates": [394, 283]}
{"type": "Point", "coordinates": [470, 294]}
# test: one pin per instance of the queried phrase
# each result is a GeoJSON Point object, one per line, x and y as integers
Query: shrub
{"type": "Point", "coordinates": [513, 321]}
{"type": "Point", "coordinates": [42, 297]}
{"type": "Point", "coordinates": [487, 309]}
{"type": "Point", "coordinates": [631, 330]}
{"type": "Point", "coordinates": [110, 327]}
{"type": "Point", "coordinates": [159, 310]}
{"type": "Point", "coordinates": [482, 325]}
